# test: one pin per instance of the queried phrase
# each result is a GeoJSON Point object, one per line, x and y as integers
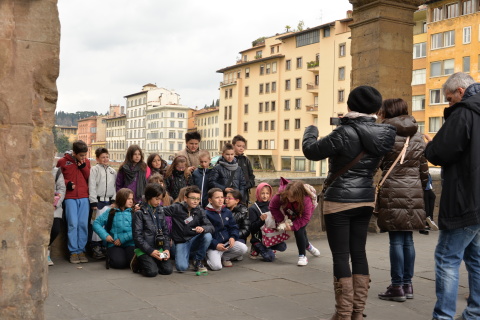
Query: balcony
{"type": "Point", "coordinates": [313, 66]}
{"type": "Point", "coordinates": [228, 83]}
{"type": "Point", "coordinates": [312, 87]}
{"type": "Point", "coordinates": [312, 108]}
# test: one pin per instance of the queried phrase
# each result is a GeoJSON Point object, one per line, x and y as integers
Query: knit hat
{"type": "Point", "coordinates": [364, 99]}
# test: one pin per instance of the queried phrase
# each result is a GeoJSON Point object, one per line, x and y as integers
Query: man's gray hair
{"type": "Point", "coordinates": [457, 80]}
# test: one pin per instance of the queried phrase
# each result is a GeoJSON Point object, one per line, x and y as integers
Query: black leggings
{"type": "Point", "coordinates": [120, 257]}
{"type": "Point", "coordinates": [347, 236]}
{"type": "Point", "coordinates": [302, 240]}
{"type": "Point", "coordinates": [57, 222]}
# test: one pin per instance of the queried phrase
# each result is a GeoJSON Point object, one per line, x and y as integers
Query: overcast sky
{"type": "Point", "coordinates": [111, 48]}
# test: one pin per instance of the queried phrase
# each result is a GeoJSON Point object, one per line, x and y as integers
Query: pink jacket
{"type": "Point", "coordinates": [277, 211]}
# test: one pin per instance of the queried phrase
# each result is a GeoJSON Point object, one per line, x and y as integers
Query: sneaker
{"type": "Point", "coordinates": [74, 258]}
{"type": "Point", "coordinates": [302, 261]}
{"type": "Point", "coordinates": [393, 293]}
{"type": "Point", "coordinates": [314, 251]}
{"type": "Point", "coordinates": [97, 253]}
{"type": "Point", "coordinates": [432, 224]}
{"type": "Point", "coordinates": [50, 262]}
{"type": "Point", "coordinates": [227, 263]}
{"type": "Point", "coordinates": [408, 290]}
{"type": "Point", "coordinates": [82, 257]}
{"type": "Point", "coordinates": [253, 254]}
{"type": "Point", "coordinates": [198, 266]}
{"type": "Point", "coordinates": [134, 265]}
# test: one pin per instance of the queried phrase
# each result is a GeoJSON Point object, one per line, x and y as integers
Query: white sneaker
{"type": "Point", "coordinates": [302, 261]}
{"type": "Point", "coordinates": [432, 224]}
{"type": "Point", "coordinates": [314, 251]}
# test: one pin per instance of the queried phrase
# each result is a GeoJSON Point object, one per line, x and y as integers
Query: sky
{"type": "Point", "coordinates": [111, 48]}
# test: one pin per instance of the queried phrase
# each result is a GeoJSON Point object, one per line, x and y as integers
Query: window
{"type": "Point", "coordinates": [260, 125]}
{"type": "Point", "coordinates": [229, 129]}
{"type": "Point", "coordinates": [437, 97]}
{"type": "Point", "coordinates": [296, 144]}
{"type": "Point", "coordinates": [466, 64]}
{"type": "Point", "coordinates": [442, 40]}
{"type": "Point", "coordinates": [419, 76]}
{"type": "Point", "coordinates": [298, 104]}
{"type": "Point", "coordinates": [258, 54]}
{"type": "Point", "coordinates": [274, 86]}
{"type": "Point", "coordinates": [260, 107]}
{"type": "Point", "coordinates": [442, 68]}
{"type": "Point", "coordinates": [467, 35]}
{"type": "Point", "coordinates": [272, 50]}
{"type": "Point", "coordinates": [272, 125]}
{"type": "Point", "coordinates": [298, 83]}
{"type": "Point", "coordinates": [286, 124]}
{"type": "Point", "coordinates": [326, 32]}
{"type": "Point", "coordinates": [274, 67]}
{"type": "Point", "coordinates": [273, 106]}
{"type": "Point", "coordinates": [341, 95]}
{"type": "Point", "coordinates": [467, 7]}
{"type": "Point", "coordinates": [230, 112]}
{"type": "Point", "coordinates": [262, 69]}
{"type": "Point", "coordinates": [299, 62]}
{"type": "Point", "coordinates": [437, 14]}
{"type": "Point", "coordinates": [285, 144]}
{"type": "Point", "coordinates": [172, 146]}
{"type": "Point", "coordinates": [287, 105]}
{"type": "Point", "coordinates": [265, 127]}
{"type": "Point", "coordinates": [286, 163]}
{"type": "Point", "coordinates": [247, 73]}
{"type": "Point", "coordinates": [265, 144]}
{"type": "Point", "coordinates": [297, 123]}
{"type": "Point", "coordinates": [267, 87]}
{"type": "Point", "coordinates": [171, 134]}
{"type": "Point", "coordinates": [341, 73]}
{"type": "Point", "coordinates": [225, 116]}
{"type": "Point", "coordinates": [267, 106]}
{"type": "Point", "coordinates": [267, 68]}
{"type": "Point", "coordinates": [259, 144]}
{"type": "Point", "coordinates": [418, 103]}
{"type": "Point", "coordinates": [224, 129]}
{"type": "Point", "coordinates": [449, 38]}
{"type": "Point", "coordinates": [451, 10]}
{"type": "Point", "coordinates": [230, 91]}
{"type": "Point", "coordinates": [421, 126]}
{"type": "Point", "coordinates": [419, 50]}
{"type": "Point", "coordinates": [260, 89]}
{"type": "Point", "coordinates": [434, 124]}
{"type": "Point", "coordinates": [226, 94]}
{"type": "Point", "coordinates": [245, 127]}
{"type": "Point", "coordinates": [437, 41]}
{"type": "Point", "coordinates": [287, 84]}
{"type": "Point", "coordinates": [288, 64]}
{"type": "Point", "coordinates": [300, 164]}
{"type": "Point", "coordinates": [307, 38]}
{"type": "Point", "coordinates": [245, 109]}
{"type": "Point", "coordinates": [342, 48]}
{"type": "Point", "coordinates": [246, 91]}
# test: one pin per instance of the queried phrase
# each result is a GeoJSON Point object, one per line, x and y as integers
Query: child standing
{"type": "Point", "coordinates": [60, 190]}
{"type": "Point", "coordinates": [115, 227]}
{"type": "Point", "coordinates": [151, 235]}
{"type": "Point", "coordinates": [177, 176]}
{"type": "Point", "coordinates": [227, 175]}
{"type": "Point", "coordinates": [225, 245]}
{"type": "Point", "coordinates": [233, 201]}
{"type": "Point", "coordinates": [191, 152]}
{"type": "Point", "coordinates": [239, 145]}
{"type": "Point", "coordinates": [133, 173]}
{"type": "Point", "coordinates": [76, 170]}
{"type": "Point", "coordinates": [201, 176]}
{"type": "Point", "coordinates": [257, 214]}
{"type": "Point", "coordinates": [157, 164]}
{"type": "Point", "coordinates": [294, 202]}
{"type": "Point", "coordinates": [101, 190]}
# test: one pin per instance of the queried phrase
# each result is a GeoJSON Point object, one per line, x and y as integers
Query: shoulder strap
{"type": "Point", "coordinates": [337, 174]}
{"type": "Point", "coordinates": [401, 156]}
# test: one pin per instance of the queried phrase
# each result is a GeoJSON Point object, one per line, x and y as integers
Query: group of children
{"type": "Point", "coordinates": [149, 212]}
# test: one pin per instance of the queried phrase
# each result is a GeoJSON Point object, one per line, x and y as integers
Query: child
{"type": "Point", "coordinates": [101, 190]}
{"type": "Point", "coordinates": [294, 202]}
{"type": "Point", "coordinates": [225, 245]}
{"type": "Point", "coordinates": [191, 230]}
{"type": "Point", "coordinates": [227, 175]}
{"type": "Point", "coordinates": [191, 152]}
{"type": "Point", "coordinates": [158, 178]}
{"type": "Point", "coordinates": [157, 164]}
{"type": "Point", "coordinates": [115, 227]}
{"type": "Point", "coordinates": [133, 173]}
{"type": "Point", "coordinates": [201, 176]}
{"type": "Point", "coordinates": [257, 214]}
{"type": "Point", "coordinates": [60, 190]}
{"type": "Point", "coordinates": [76, 170]}
{"type": "Point", "coordinates": [181, 195]}
{"type": "Point", "coordinates": [151, 235]}
{"type": "Point", "coordinates": [233, 201]}
{"type": "Point", "coordinates": [177, 176]}
{"type": "Point", "coordinates": [239, 144]}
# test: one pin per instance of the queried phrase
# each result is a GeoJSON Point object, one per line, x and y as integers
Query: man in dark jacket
{"type": "Point", "coordinates": [456, 147]}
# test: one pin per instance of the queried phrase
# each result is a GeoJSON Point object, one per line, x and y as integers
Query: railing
{"type": "Point", "coordinates": [312, 108]}
{"type": "Point", "coordinates": [312, 86]}
{"type": "Point", "coordinates": [227, 82]}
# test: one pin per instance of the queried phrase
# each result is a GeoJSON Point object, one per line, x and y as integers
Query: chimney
{"type": "Point", "coordinates": [349, 14]}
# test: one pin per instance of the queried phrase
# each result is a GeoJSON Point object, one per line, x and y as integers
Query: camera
{"type": "Point", "coordinates": [163, 255]}
{"type": "Point", "coordinates": [335, 121]}
{"type": "Point", "coordinates": [159, 239]}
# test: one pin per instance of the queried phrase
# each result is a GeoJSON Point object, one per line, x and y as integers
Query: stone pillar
{"type": "Point", "coordinates": [382, 46]}
{"type": "Point", "coordinates": [29, 66]}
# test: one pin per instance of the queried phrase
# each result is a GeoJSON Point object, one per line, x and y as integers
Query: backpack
{"type": "Point", "coordinates": [312, 194]}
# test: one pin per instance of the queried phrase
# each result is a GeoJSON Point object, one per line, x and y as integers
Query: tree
{"type": "Point", "coordinates": [287, 27]}
{"type": "Point", "coordinates": [61, 141]}
{"type": "Point", "coordinates": [300, 25]}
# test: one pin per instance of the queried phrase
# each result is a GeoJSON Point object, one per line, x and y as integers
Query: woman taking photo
{"type": "Point", "coordinates": [401, 203]}
{"type": "Point", "coordinates": [358, 143]}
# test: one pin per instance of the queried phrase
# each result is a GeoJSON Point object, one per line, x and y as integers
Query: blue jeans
{"type": "Point", "coordinates": [402, 257]}
{"type": "Point", "coordinates": [454, 246]}
{"type": "Point", "coordinates": [76, 213]}
{"type": "Point", "coordinates": [198, 245]}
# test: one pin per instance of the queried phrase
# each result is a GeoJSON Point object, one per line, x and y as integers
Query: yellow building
{"type": "Point", "coordinates": [419, 67]}
{"type": "Point", "coordinates": [115, 137]}
{"type": "Point", "coordinates": [69, 131]}
{"type": "Point", "coordinates": [207, 124]}
{"type": "Point", "coordinates": [453, 45]}
{"type": "Point", "coordinates": [272, 93]}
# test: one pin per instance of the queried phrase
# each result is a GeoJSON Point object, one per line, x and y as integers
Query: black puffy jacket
{"type": "Point", "coordinates": [240, 214]}
{"type": "Point", "coordinates": [220, 177]}
{"type": "Point", "coordinates": [177, 181]}
{"type": "Point", "coordinates": [343, 145]}
{"type": "Point", "coordinates": [145, 228]}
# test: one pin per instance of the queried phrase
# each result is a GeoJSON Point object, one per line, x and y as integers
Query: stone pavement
{"type": "Point", "coordinates": [249, 290]}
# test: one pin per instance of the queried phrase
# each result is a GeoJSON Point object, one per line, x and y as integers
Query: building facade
{"type": "Point", "coordinates": [87, 132]}
{"type": "Point", "coordinates": [115, 137]}
{"type": "Point", "coordinates": [68, 131]}
{"type": "Point", "coordinates": [207, 124]}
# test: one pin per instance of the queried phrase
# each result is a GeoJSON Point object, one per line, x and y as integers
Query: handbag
{"type": "Point", "coordinates": [270, 235]}
{"type": "Point", "coordinates": [401, 157]}
{"type": "Point", "coordinates": [329, 181]}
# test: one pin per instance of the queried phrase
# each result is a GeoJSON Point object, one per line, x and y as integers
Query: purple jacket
{"type": "Point", "coordinates": [120, 183]}
{"type": "Point", "coordinates": [298, 222]}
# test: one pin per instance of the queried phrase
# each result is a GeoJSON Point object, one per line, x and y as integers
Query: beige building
{"type": "Point", "coordinates": [272, 93]}
{"type": "Point", "coordinates": [115, 137]}
{"type": "Point", "coordinates": [207, 124]}
{"type": "Point", "coordinates": [69, 131]}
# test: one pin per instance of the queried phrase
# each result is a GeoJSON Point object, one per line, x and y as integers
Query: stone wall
{"type": "Point", "coordinates": [29, 66]}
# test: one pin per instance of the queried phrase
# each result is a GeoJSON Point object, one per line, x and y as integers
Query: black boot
{"type": "Point", "coordinates": [393, 293]}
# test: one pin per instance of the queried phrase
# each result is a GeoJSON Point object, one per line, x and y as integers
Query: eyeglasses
{"type": "Point", "coordinates": [194, 199]}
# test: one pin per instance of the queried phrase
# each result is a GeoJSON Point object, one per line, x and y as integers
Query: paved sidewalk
{"type": "Point", "coordinates": [249, 290]}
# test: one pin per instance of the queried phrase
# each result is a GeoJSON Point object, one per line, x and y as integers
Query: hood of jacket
{"type": "Point", "coordinates": [258, 191]}
{"type": "Point", "coordinates": [406, 125]}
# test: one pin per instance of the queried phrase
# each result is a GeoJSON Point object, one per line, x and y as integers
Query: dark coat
{"type": "Point", "coordinates": [177, 181]}
{"type": "Point", "coordinates": [401, 203]}
{"type": "Point", "coordinates": [240, 213]}
{"type": "Point", "coordinates": [341, 146]}
{"type": "Point", "coordinates": [220, 177]}
{"type": "Point", "coordinates": [255, 222]}
{"type": "Point", "coordinates": [224, 224]}
{"type": "Point", "coordinates": [145, 228]}
{"type": "Point", "coordinates": [201, 178]}
{"type": "Point", "coordinates": [456, 147]}
{"type": "Point", "coordinates": [181, 231]}
{"type": "Point", "coordinates": [246, 165]}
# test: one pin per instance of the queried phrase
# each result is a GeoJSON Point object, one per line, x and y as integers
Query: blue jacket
{"type": "Point", "coordinates": [121, 227]}
{"type": "Point", "coordinates": [201, 180]}
{"type": "Point", "coordinates": [224, 224]}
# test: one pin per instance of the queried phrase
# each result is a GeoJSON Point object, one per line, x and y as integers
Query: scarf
{"type": "Point", "coordinates": [131, 174]}
{"type": "Point", "coordinates": [231, 166]}
{"type": "Point", "coordinates": [355, 114]}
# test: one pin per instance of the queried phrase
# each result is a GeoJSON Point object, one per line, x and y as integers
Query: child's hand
{"type": "Point", "coordinates": [168, 255]}
{"type": "Point", "coordinates": [118, 243]}
{"type": "Point", "coordinates": [136, 207]}
{"type": "Point", "coordinates": [199, 229]}
{"type": "Point", "coordinates": [231, 242]}
{"type": "Point", "coordinates": [109, 239]}
{"type": "Point", "coordinates": [221, 247]}
{"type": "Point", "coordinates": [228, 189]}
{"type": "Point", "coordinates": [191, 169]}
{"type": "Point", "coordinates": [156, 254]}
{"type": "Point", "coordinates": [263, 217]}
